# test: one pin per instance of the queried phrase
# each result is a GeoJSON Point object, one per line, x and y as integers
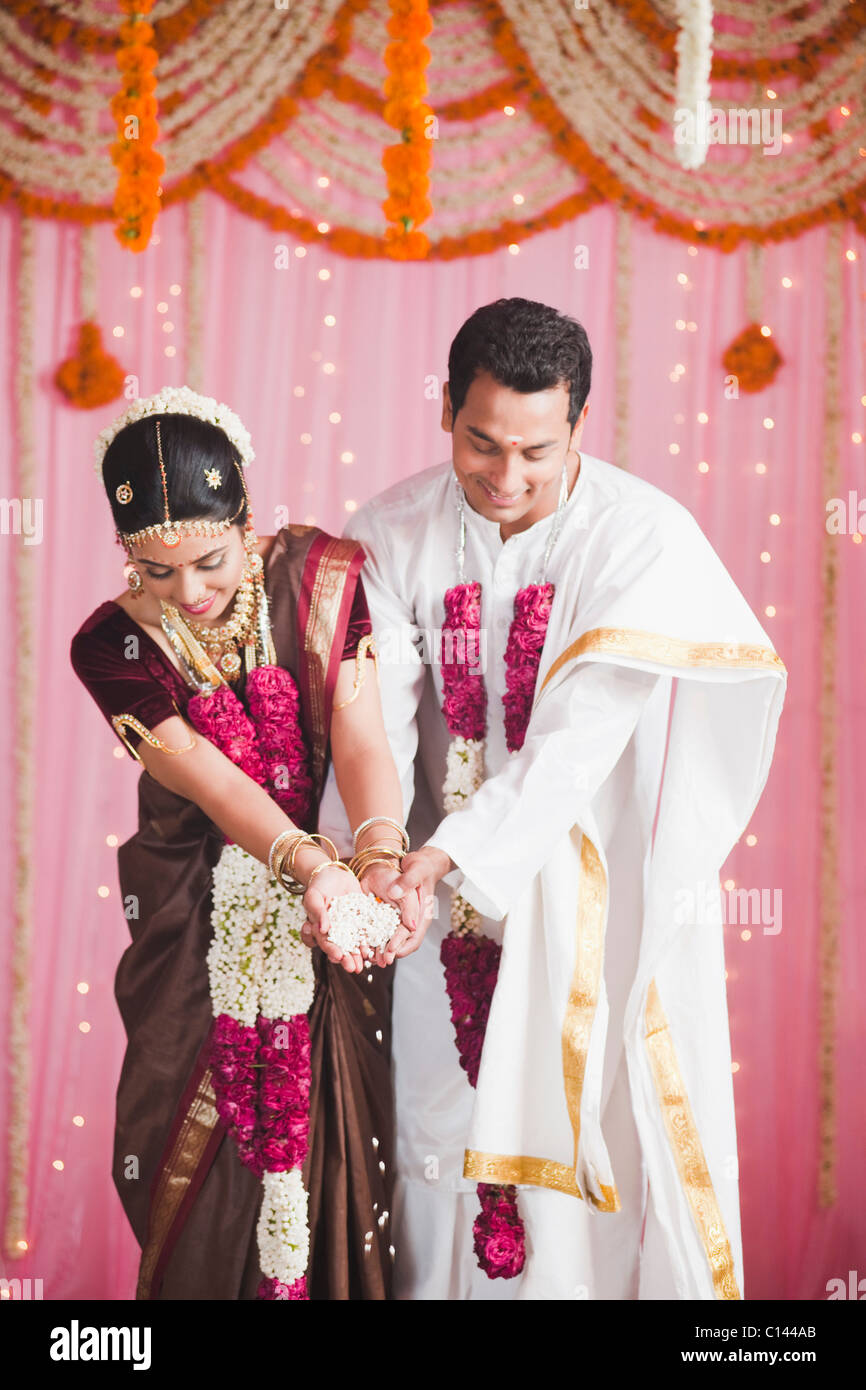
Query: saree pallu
{"type": "Point", "coordinates": [192, 1204]}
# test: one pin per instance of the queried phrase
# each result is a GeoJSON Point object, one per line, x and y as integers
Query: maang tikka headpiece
{"type": "Point", "coordinates": [181, 401]}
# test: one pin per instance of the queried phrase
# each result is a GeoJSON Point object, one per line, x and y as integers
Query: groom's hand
{"type": "Point", "coordinates": [421, 871]}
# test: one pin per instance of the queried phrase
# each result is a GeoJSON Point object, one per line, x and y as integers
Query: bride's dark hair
{"type": "Point", "coordinates": [189, 447]}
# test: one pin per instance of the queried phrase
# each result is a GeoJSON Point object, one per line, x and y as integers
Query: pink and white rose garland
{"type": "Point", "coordinates": [261, 976]}
{"type": "Point", "coordinates": [470, 958]}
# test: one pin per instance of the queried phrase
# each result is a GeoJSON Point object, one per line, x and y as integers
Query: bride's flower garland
{"type": "Point", "coordinates": [261, 977]}
{"type": "Point", "coordinates": [470, 958]}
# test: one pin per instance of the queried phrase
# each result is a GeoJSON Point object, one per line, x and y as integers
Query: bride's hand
{"type": "Point", "coordinates": [377, 880]}
{"type": "Point", "coordinates": [330, 883]}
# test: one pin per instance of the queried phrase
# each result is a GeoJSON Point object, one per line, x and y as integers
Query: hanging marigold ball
{"type": "Point", "coordinates": [752, 358]}
{"type": "Point", "coordinates": [91, 376]}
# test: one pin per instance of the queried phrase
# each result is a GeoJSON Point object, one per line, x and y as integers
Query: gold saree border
{"type": "Point", "coordinates": [667, 651]}
{"type": "Point", "coordinates": [176, 1175]}
{"type": "Point", "coordinates": [325, 600]}
{"type": "Point", "coordinates": [687, 1149]}
{"type": "Point", "coordinates": [534, 1172]}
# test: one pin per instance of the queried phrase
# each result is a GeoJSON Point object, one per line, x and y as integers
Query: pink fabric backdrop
{"type": "Point", "coordinates": [265, 335]}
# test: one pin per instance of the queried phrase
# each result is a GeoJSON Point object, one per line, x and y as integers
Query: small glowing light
{"type": "Point", "coordinates": [673, 448]}
{"type": "Point", "coordinates": [328, 368]}
{"type": "Point", "coordinates": [155, 240]}
{"type": "Point", "coordinates": [745, 935]}
{"type": "Point", "coordinates": [162, 307]}
{"type": "Point", "coordinates": [375, 1142]}
{"type": "Point", "coordinates": [787, 282]}
{"type": "Point", "coordinates": [735, 1066]}
{"type": "Point", "coordinates": [844, 111]}
{"type": "Point", "coordinates": [300, 252]}
{"type": "Point", "coordinates": [771, 94]}
{"type": "Point", "coordinates": [850, 255]}
{"type": "Point", "coordinates": [862, 151]}
{"type": "Point", "coordinates": [118, 752]}
{"type": "Point", "coordinates": [775, 519]}
{"type": "Point", "coordinates": [518, 198]}
{"type": "Point", "coordinates": [306, 439]}
{"type": "Point", "coordinates": [22, 1245]}
{"type": "Point", "coordinates": [347, 457]}
{"type": "Point", "coordinates": [117, 332]}
{"type": "Point", "coordinates": [766, 331]}
{"type": "Point", "coordinates": [78, 1120]}
{"type": "Point", "coordinates": [170, 351]}
{"type": "Point", "coordinates": [770, 610]}
{"type": "Point", "coordinates": [682, 279]}
{"type": "Point", "coordinates": [323, 181]}
{"type": "Point", "coordinates": [136, 292]}
{"type": "Point", "coordinates": [768, 422]}
{"type": "Point", "coordinates": [856, 438]}
{"type": "Point", "coordinates": [58, 1164]}
{"type": "Point", "coordinates": [103, 890]}
{"type": "Point", "coordinates": [680, 324]}
{"type": "Point", "coordinates": [857, 538]}
{"type": "Point", "coordinates": [508, 110]}
{"type": "Point", "coordinates": [83, 987]}
{"type": "Point", "coordinates": [330, 320]}
{"type": "Point", "coordinates": [692, 326]}
{"type": "Point", "coordinates": [703, 466]}
{"type": "Point", "coordinates": [765, 557]}
{"type": "Point", "coordinates": [351, 506]}
{"type": "Point", "coordinates": [84, 1026]}
{"type": "Point", "coordinates": [381, 1166]}
{"type": "Point", "coordinates": [787, 138]}
{"type": "Point", "coordinates": [298, 391]}
{"type": "Point", "coordinates": [678, 367]}
{"type": "Point", "coordinates": [378, 1035]}
{"type": "Point", "coordinates": [323, 227]}
{"type": "Point", "coordinates": [751, 839]}
{"type": "Point", "coordinates": [324, 274]}
{"type": "Point", "coordinates": [760, 468]}
{"type": "Point", "coordinates": [335, 417]}
{"type": "Point", "coordinates": [693, 250]}
{"type": "Point", "coordinates": [168, 326]}
{"type": "Point", "coordinates": [513, 249]}
{"type": "Point", "coordinates": [863, 400]}
{"type": "Point", "coordinates": [729, 884]}
{"type": "Point", "coordinates": [174, 289]}
{"type": "Point", "coordinates": [111, 840]}
{"type": "Point", "coordinates": [703, 417]}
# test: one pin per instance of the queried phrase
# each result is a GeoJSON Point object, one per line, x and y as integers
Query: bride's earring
{"type": "Point", "coordinates": [134, 581]}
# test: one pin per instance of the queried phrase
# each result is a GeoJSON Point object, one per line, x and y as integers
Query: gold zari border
{"type": "Point", "coordinates": [667, 651]}
{"type": "Point", "coordinates": [535, 1172]}
{"type": "Point", "coordinates": [176, 1176]}
{"type": "Point", "coordinates": [688, 1152]}
{"type": "Point", "coordinates": [325, 600]}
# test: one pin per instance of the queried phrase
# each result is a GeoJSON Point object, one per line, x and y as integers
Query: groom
{"type": "Point", "coordinates": [532, 605]}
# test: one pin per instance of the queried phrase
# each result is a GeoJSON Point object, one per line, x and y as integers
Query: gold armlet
{"type": "Point", "coordinates": [119, 721]}
{"type": "Point", "coordinates": [366, 644]}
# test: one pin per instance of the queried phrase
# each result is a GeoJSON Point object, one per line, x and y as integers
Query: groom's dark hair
{"type": "Point", "coordinates": [523, 345]}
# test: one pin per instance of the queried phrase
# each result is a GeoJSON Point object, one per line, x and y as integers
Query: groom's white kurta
{"type": "Point", "coordinates": [605, 1087]}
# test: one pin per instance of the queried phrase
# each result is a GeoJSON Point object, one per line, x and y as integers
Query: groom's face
{"type": "Point", "coordinates": [508, 449]}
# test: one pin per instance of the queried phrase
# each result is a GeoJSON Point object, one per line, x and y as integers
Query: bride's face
{"type": "Point", "coordinates": [199, 576]}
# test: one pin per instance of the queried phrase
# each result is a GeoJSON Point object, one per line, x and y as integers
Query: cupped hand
{"type": "Point", "coordinates": [414, 889]}
{"type": "Point", "coordinates": [329, 884]}
{"type": "Point", "coordinates": [378, 880]}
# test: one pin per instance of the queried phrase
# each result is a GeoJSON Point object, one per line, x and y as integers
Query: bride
{"type": "Point", "coordinates": [254, 1139]}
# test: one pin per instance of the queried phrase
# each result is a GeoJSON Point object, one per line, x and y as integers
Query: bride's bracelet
{"type": "Point", "coordinates": [288, 878]}
{"type": "Point", "coordinates": [382, 820]}
{"type": "Point", "coordinates": [328, 864]}
{"type": "Point", "coordinates": [375, 854]}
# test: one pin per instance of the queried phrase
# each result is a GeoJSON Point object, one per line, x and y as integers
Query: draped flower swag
{"type": "Point", "coordinates": [261, 977]}
{"type": "Point", "coordinates": [470, 958]}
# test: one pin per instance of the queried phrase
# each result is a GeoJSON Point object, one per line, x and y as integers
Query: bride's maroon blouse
{"type": "Point", "coordinates": [193, 1205]}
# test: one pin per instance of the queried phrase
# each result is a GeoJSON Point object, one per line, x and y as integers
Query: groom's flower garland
{"type": "Point", "coordinates": [470, 958]}
{"type": "Point", "coordinates": [261, 976]}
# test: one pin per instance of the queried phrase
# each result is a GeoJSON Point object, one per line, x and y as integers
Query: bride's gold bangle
{"type": "Point", "coordinates": [325, 841]}
{"type": "Point", "coordinates": [327, 864]}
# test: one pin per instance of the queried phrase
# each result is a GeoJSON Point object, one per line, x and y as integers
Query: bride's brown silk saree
{"type": "Point", "coordinates": [192, 1204]}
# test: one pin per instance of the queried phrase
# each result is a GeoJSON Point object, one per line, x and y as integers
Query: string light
{"type": "Point", "coordinates": [751, 839]}
{"type": "Point", "coordinates": [735, 1066]}
{"type": "Point", "coordinates": [760, 468]}
{"type": "Point", "coordinates": [680, 324]}
{"type": "Point", "coordinates": [117, 331]}
{"type": "Point", "coordinates": [323, 227]}
{"type": "Point", "coordinates": [168, 326]}
{"type": "Point", "coordinates": [84, 1026]}
{"type": "Point", "coordinates": [329, 320]}
{"type": "Point", "coordinates": [162, 307]}
{"type": "Point", "coordinates": [787, 282]}
{"type": "Point", "coordinates": [335, 417]}
{"type": "Point", "coordinates": [703, 466]}
{"type": "Point", "coordinates": [682, 279]}
{"type": "Point", "coordinates": [745, 935]}
{"type": "Point", "coordinates": [174, 289]}
{"type": "Point", "coordinates": [58, 1164]}
{"type": "Point", "coordinates": [306, 439]}
{"type": "Point", "coordinates": [514, 249]}
{"type": "Point", "coordinates": [508, 110]}
{"type": "Point", "coordinates": [111, 840]}
{"type": "Point", "coordinates": [770, 610]}
{"type": "Point", "coordinates": [300, 252]}
{"type": "Point", "coordinates": [703, 417]}
{"type": "Point", "coordinates": [775, 519]}
{"type": "Point", "coordinates": [856, 438]}
{"type": "Point", "coordinates": [103, 890]}
{"type": "Point", "coordinates": [170, 351]}
{"type": "Point", "coordinates": [78, 1121]}
{"type": "Point", "coordinates": [352, 506]}
{"type": "Point", "coordinates": [324, 274]}
{"type": "Point", "coordinates": [765, 557]}
{"type": "Point", "coordinates": [673, 448]}
{"type": "Point", "coordinates": [136, 292]}
{"type": "Point", "coordinates": [518, 198]}
{"type": "Point", "coordinates": [328, 368]}
{"type": "Point", "coordinates": [323, 181]}
{"type": "Point", "coordinates": [118, 752]}
{"type": "Point", "coordinates": [347, 457]}
{"type": "Point", "coordinates": [83, 987]}
{"type": "Point", "coordinates": [766, 331]}
{"type": "Point", "coordinates": [298, 391]}
{"type": "Point", "coordinates": [768, 422]}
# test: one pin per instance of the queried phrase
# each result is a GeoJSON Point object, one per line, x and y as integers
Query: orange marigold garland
{"type": "Point", "coordinates": [407, 165]}
{"type": "Point", "coordinates": [752, 358]}
{"type": "Point", "coordinates": [137, 198]}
